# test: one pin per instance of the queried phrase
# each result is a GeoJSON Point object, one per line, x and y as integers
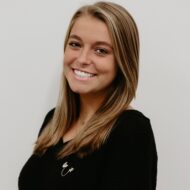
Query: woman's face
{"type": "Point", "coordinates": [89, 63]}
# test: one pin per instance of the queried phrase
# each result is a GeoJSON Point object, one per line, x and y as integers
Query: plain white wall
{"type": "Point", "coordinates": [31, 46]}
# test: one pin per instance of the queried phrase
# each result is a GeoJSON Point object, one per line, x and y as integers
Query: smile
{"type": "Point", "coordinates": [82, 74]}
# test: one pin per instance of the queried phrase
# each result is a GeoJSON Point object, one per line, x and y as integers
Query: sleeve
{"type": "Point", "coordinates": [131, 161]}
{"type": "Point", "coordinates": [47, 118]}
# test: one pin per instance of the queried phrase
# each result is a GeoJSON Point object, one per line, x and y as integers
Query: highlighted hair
{"type": "Point", "coordinates": [125, 41]}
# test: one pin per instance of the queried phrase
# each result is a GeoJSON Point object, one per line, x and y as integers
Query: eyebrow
{"type": "Point", "coordinates": [97, 42]}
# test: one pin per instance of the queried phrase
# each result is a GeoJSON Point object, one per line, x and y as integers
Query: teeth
{"type": "Point", "coordinates": [83, 74]}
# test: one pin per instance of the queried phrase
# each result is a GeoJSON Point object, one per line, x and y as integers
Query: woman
{"type": "Point", "coordinates": [93, 138]}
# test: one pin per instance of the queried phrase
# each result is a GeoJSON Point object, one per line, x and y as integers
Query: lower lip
{"type": "Point", "coordinates": [82, 78]}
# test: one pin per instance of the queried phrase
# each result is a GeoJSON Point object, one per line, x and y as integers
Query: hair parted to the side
{"type": "Point", "coordinates": [125, 41]}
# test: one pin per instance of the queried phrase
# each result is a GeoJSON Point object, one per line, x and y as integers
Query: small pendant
{"type": "Point", "coordinates": [66, 170]}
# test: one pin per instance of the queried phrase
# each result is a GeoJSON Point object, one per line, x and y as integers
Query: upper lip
{"type": "Point", "coordinates": [84, 71]}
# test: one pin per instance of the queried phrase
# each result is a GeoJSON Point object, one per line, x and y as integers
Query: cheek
{"type": "Point", "coordinates": [69, 57]}
{"type": "Point", "coordinates": [66, 63]}
{"type": "Point", "coordinates": [66, 58]}
{"type": "Point", "coordinates": [112, 69]}
{"type": "Point", "coordinates": [113, 72]}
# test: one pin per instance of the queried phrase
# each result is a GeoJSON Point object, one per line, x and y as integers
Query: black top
{"type": "Point", "coordinates": [128, 160]}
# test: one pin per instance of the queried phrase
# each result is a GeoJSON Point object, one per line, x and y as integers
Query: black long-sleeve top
{"type": "Point", "coordinates": [127, 161]}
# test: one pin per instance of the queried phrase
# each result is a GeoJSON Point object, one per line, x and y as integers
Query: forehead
{"type": "Point", "coordinates": [91, 27]}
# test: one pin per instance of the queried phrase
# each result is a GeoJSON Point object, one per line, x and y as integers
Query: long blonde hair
{"type": "Point", "coordinates": [125, 39]}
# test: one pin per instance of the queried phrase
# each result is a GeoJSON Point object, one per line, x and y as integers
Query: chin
{"type": "Point", "coordinates": [83, 92]}
{"type": "Point", "coordinates": [79, 91]}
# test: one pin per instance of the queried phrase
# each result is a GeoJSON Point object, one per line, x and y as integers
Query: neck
{"type": "Point", "coordinates": [88, 106]}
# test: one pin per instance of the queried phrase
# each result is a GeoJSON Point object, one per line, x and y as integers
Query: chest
{"type": "Point", "coordinates": [49, 172]}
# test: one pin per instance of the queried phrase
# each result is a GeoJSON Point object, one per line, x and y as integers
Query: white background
{"type": "Point", "coordinates": [31, 53]}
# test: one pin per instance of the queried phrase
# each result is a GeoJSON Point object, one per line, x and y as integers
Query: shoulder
{"type": "Point", "coordinates": [50, 113]}
{"type": "Point", "coordinates": [130, 153]}
{"type": "Point", "coordinates": [47, 118]}
{"type": "Point", "coordinates": [132, 121]}
{"type": "Point", "coordinates": [131, 126]}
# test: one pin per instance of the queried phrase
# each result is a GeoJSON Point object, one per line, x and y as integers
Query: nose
{"type": "Point", "coordinates": [84, 57]}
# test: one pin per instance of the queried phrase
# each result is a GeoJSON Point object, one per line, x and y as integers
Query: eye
{"type": "Point", "coordinates": [74, 45]}
{"type": "Point", "coordinates": [101, 51]}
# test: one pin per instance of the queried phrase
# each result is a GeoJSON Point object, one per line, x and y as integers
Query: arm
{"type": "Point", "coordinates": [131, 159]}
